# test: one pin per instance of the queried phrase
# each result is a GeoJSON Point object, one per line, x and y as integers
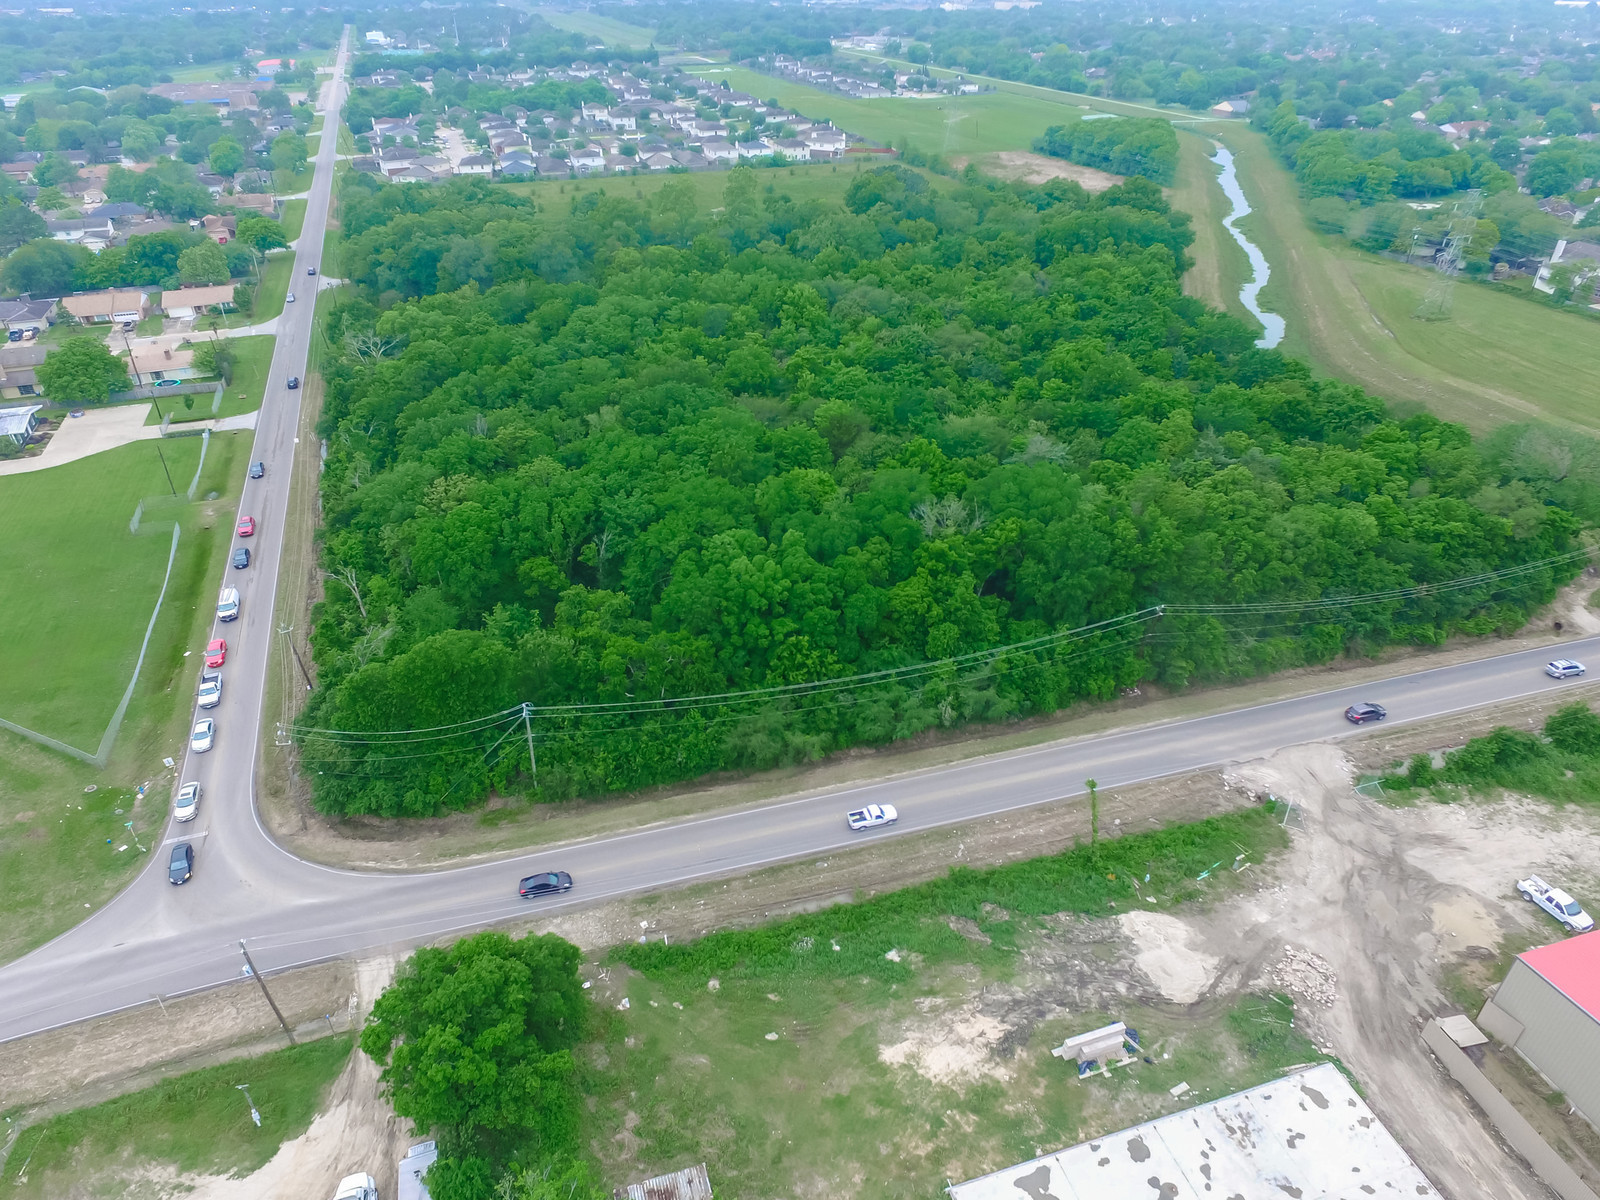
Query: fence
{"type": "Point", "coordinates": [153, 393]}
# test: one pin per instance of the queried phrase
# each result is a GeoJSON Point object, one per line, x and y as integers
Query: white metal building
{"type": "Point", "coordinates": [1548, 1011]}
{"type": "Point", "coordinates": [1306, 1135]}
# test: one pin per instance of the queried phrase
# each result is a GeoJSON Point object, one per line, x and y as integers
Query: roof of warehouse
{"type": "Point", "coordinates": [1572, 967]}
{"type": "Point", "coordinates": [1307, 1134]}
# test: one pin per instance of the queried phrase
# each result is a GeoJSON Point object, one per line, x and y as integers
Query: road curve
{"type": "Point", "coordinates": [158, 940]}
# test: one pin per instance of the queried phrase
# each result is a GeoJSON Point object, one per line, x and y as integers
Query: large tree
{"type": "Point", "coordinates": [227, 156]}
{"type": "Point", "coordinates": [289, 152]}
{"type": "Point", "coordinates": [18, 224]}
{"type": "Point", "coordinates": [205, 263]}
{"type": "Point", "coordinates": [82, 370]}
{"type": "Point", "coordinates": [262, 232]}
{"type": "Point", "coordinates": [43, 267]}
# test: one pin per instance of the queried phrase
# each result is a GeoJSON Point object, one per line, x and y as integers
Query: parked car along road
{"type": "Point", "coordinates": [216, 652]}
{"type": "Point", "coordinates": [1557, 903]}
{"type": "Point", "coordinates": [241, 557]}
{"type": "Point", "coordinates": [187, 804]}
{"type": "Point", "coordinates": [211, 692]}
{"type": "Point", "coordinates": [294, 382]}
{"type": "Point", "coordinates": [257, 470]}
{"type": "Point", "coordinates": [205, 731]}
{"type": "Point", "coordinates": [228, 604]}
{"type": "Point", "coordinates": [246, 527]}
{"type": "Point", "coordinates": [546, 883]}
{"type": "Point", "coordinates": [1356, 714]}
{"type": "Point", "coordinates": [1563, 668]}
{"type": "Point", "coordinates": [872, 816]}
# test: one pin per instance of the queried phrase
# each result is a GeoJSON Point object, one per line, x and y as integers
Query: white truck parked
{"type": "Point", "coordinates": [1557, 903]}
{"type": "Point", "coordinates": [357, 1187]}
{"type": "Point", "coordinates": [413, 1167]}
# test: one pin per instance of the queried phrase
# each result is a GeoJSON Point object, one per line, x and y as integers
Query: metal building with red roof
{"type": "Point", "coordinates": [1548, 1011]}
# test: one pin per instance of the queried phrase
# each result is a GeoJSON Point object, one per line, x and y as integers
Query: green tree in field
{"type": "Point", "coordinates": [476, 1042]}
{"type": "Point", "coordinates": [227, 156]}
{"type": "Point", "coordinates": [43, 267]}
{"type": "Point", "coordinates": [54, 169]}
{"type": "Point", "coordinates": [289, 152]}
{"type": "Point", "coordinates": [82, 371]}
{"type": "Point", "coordinates": [262, 232]}
{"type": "Point", "coordinates": [205, 263]}
{"type": "Point", "coordinates": [51, 200]}
{"type": "Point", "coordinates": [18, 224]}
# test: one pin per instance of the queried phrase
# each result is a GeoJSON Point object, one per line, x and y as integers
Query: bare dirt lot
{"type": "Point", "coordinates": [1023, 167]}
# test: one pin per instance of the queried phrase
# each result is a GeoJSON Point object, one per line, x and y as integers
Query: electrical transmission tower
{"type": "Point", "coordinates": [1437, 303]}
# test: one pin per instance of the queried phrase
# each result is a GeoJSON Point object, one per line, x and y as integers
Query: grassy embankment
{"type": "Point", "coordinates": [606, 30]}
{"type": "Point", "coordinates": [1499, 358]}
{"type": "Point", "coordinates": [193, 1124]}
{"type": "Point", "coordinates": [85, 588]}
{"type": "Point", "coordinates": [1220, 266]}
{"type": "Point", "coordinates": [293, 219]}
{"type": "Point", "coordinates": [976, 992]}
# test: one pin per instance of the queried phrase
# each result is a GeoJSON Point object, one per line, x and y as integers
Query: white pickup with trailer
{"type": "Point", "coordinates": [1557, 903]}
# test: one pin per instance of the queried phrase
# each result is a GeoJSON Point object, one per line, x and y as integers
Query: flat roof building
{"type": "Point", "coordinates": [1307, 1134]}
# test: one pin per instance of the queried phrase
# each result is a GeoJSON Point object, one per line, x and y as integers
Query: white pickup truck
{"type": "Point", "coordinates": [1557, 903]}
{"type": "Point", "coordinates": [357, 1187]}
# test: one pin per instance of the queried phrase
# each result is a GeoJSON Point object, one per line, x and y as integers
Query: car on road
{"type": "Point", "coordinates": [257, 469]}
{"type": "Point", "coordinates": [241, 557]}
{"type": "Point", "coordinates": [311, 270]}
{"type": "Point", "coordinates": [228, 604]}
{"type": "Point", "coordinates": [1557, 903]}
{"type": "Point", "coordinates": [546, 883]}
{"type": "Point", "coordinates": [289, 299]}
{"type": "Point", "coordinates": [1563, 668]}
{"type": "Point", "coordinates": [187, 804]}
{"type": "Point", "coordinates": [872, 816]}
{"type": "Point", "coordinates": [211, 692]}
{"type": "Point", "coordinates": [181, 865]}
{"type": "Point", "coordinates": [204, 733]}
{"type": "Point", "coordinates": [216, 652]}
{"type": "Point", "coordinates": [1358, 714]}
{"type": "Point", "coordinates": [294, 382]}
{"type": "Point", "coordinates": [246, 527]}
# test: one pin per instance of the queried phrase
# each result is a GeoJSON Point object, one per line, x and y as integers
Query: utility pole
{"type": "Point", "coordinates": [170, 486]}
{"type": "Point", "coordinates": [527, 727]}
{"type": "Point", "coordinates": [286, 630]}
{"type": "Point", "coordinates": [271, 1003]}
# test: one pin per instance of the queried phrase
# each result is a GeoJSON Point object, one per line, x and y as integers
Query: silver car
{"type": "Point", "coordinates": [205, 731]}
{"type": "Point", "coordinates": [187, 804]}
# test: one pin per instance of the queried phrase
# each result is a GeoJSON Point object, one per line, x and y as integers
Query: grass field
{"type": "Point", "coordinates": [293, 219]}
{"type": "Point", "coordinates": [606, 30]}
{"type": "Point", "coordinates": [275, 276]}
{"type": "Point", "coordinates": [948, 125]}
{"type": "Point", "coordinates": [1500, 358]}
{"type": "Point", "coordinates": [197, 1123]}
{"type": "Point", "coordinates": [252, 360]}
{"type": "Point", "coordinates": [891, 1090]}
{"type": "Point", "coordinates": [84, 587]}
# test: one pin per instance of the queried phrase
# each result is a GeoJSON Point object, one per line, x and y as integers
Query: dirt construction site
{"type": "Point", "coordinates": [1375, 919]}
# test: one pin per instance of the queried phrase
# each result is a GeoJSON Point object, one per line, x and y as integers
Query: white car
{"type": "Point", "coordinates": [1557, 903]}
{"type": "Point", "coordinates": [872, 816]}
{"type": "Point", "coordinates": [187, 804]}
{"type": "Point", "coordinates": [289, 299]}
{"type": "Point", "coordinates": [1563, 668]}
{"type": "Point", "coordinates": [205, 730]}
{"type": "Point", "coordinates": [210, 693]}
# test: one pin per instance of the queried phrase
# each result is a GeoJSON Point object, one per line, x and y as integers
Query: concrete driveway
{"type": "Point", "coordinates": [78, 437]}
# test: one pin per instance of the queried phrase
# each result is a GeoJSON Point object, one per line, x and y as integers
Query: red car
{"type": "Point", "coordinates": [216, 652]}
{"type": "Point", "coordinates": [247, 526]}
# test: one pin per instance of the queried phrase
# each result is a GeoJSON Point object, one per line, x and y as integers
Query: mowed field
{"type": "Point", "coordinates": [607, 30]}
{"type": "Point", "coordinates": [1499, 358]}
{"type": "Point", "coordinates": [947, 125]}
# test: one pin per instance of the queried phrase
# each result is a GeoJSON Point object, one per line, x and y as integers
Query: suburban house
{"type": "Point", "coordinates": [475, 164]}
{"type": "Point", "coordinates": [185, 304]}
{"type": "Point", "coordinates": [114, 304]}
{"type": "Point", "coordinates": [223, 95]}
{"type": "Point", "coordinates": [25, 315]}
{"type": "Point", "coordinates": [257, 202]}
{"type": "Point", "coordinates": [1231, 108]}
{"type": "Point", "coordinates": [18, 370]}
{"type": "Point", "coordinates": [17, 424]}
{"type": "Point", "coordinates": [220, 229]}
{"type": "Point", "coordinates": [590, 158]}
{"type": "Point", "coordinates": [1585, 256]}
{"type": "Point", "coordinates": [152, 364]}
{"type": "Point", "coordinates": [92, 233]}
{"type": "Point", "coordinates": [716, 151]}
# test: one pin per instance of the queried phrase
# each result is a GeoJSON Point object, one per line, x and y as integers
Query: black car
{"type": "Point", "coordinates": [241, 557]}
{"type": "Point", "coordinates": [1356, 714]}
{"type": "Point", "coordinates": [257, 470]}
{"type": "Point", "coordinates": [311, 270]}
{"type": "Point", "coordinates": [182, 864]}
{"type": "Point", "coordinates": [546, 883]}
{"type": "Point", "coordinates": [294, 382]}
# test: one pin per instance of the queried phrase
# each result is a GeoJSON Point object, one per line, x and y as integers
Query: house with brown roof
{"type": "Point", "coordinates": [112, 304]}
{"type": "Point", "coordinates": [19, 369]}
{"type": "Point", "coordinates": [152, 364]}
{"type": "Point", "coordinates": [185, 304]}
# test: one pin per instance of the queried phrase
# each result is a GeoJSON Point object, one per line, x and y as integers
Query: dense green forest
{"type": "Point", "coordinates": [1122, 145]}
{"type": "Point", "coordinates": [633, 453]}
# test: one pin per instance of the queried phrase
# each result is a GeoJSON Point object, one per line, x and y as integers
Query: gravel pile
{"type": "Point", "coordinates": [1305, 976]}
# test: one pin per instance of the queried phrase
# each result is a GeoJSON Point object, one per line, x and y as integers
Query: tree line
{"type": "Point", "coordinates": [1145, 146]}
{"type": "Point", "coordinates": [633, 452]}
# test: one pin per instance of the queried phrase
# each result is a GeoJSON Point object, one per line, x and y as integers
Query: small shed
{"type": "Point", "coordinates": [1548, 1011]}
{"type": "Point", "coordinates": [691, 1183]}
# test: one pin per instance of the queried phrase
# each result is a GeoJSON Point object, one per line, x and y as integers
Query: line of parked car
{"type": "Point", "coordinates": [186, 805]}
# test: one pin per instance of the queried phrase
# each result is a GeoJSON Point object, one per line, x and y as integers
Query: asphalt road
{"type": "Point", "coordinates": [158, 940]}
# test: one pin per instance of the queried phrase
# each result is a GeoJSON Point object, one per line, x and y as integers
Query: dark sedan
{"type": "Point", "coordinates": [546, 883]}
{"type": "Point", "coordinates": [182, 864]}
{"type": "Point", "coordinates": [257, 470]}
{"type": "Point", "coordinates": [241, 557]}
{"type": "Point", "coordinates": [1358, 714]}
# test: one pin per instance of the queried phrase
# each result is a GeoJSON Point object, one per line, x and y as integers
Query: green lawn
{"type": "Point", "coordinates": [293, 218]}
{"type": "Point", "coordinates": [289, 182]}
{"type": "Point", "coordinates": [1500, 358]}
{"type": "Point", "coordinates": [198, 1123]}
{"type": "Point", "coordinates": [948, 125]}
{"type": "Point", "coordinates": [252, 360]}
{"type": "Point", "coordinates": [604, 29]}
{"type": "Point", "coordinates": [275, 278]}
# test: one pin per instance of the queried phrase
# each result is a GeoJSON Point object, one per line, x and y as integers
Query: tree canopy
{"type": "Point", "coordinates": [82, 370]}
{"type": "Point", "coordinates": [633, 452]}
{"type": "Point", "coordinates": [1122, 145]}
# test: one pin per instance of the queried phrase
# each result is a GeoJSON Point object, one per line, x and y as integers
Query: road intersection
{"type": "Point", "coordinates": [157, 940]}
